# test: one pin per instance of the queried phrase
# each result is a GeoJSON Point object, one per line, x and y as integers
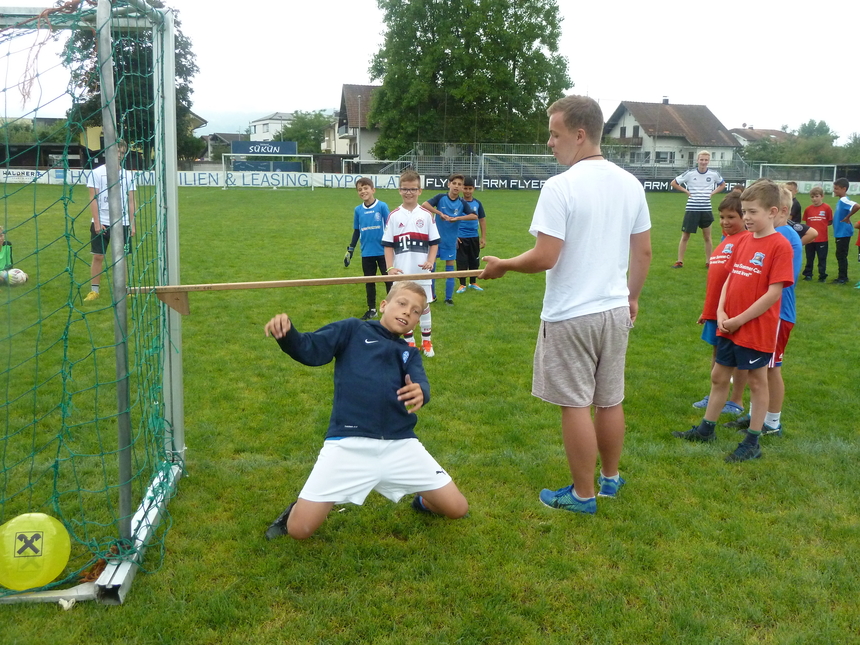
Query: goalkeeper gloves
{"type": "Point", "coordinates": [347, 258]}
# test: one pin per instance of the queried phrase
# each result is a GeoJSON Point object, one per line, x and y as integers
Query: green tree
{"type": "Point", "coordinates": [133, 68]}
{"type": "Point", "coordinates": [466, 70]}
{"type": "Point", "coordinates": [307, 129]}
{"type": "Point", "coordinates": [813, 128]}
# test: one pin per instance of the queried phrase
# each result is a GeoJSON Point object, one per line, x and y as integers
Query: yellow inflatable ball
{"type": "Point", "coordinates": [34, 550]}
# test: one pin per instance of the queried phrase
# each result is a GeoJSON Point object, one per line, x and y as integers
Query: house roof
{"type": "Point", "coordinates": [349, 112]}
{"type": "Point", "coordinates": [695, 123]}
{"type": "Point", "coordinates": [755, 134]}
{"type": "Point", "coordinates": [275, 116]}
{"type": "Point", "coordinates": [227, 137]}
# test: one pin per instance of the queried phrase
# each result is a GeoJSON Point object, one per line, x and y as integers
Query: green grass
{"type": "Point", "coordinates": [694, 550]}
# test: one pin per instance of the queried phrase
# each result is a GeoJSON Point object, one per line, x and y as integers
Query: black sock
{"type": "Point", "coordinates": [707, 427]}
{"type": "Point", "coordinates": [751, 437]}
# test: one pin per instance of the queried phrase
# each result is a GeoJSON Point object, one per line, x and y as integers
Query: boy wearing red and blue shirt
{"type": "Point", "coordinates": [748, 316]}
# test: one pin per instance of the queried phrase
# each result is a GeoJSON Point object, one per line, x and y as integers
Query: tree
{"type": "Point", "coordinates": [466, 70]}
{"type": "Point", "coordinates": [307, 129]}
{"type": "Point", "coordinates": [813, 128]}
{"type": "Point", "coordinates": [133, 65]}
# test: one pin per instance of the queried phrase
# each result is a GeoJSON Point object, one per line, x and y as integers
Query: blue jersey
{"type": "Point", "coordinates": [448, 231]}
{"type": "Point", "coordinates": [840, 228]}
{"type": "Point", "coordinates": [469, 227]}
{"type": "Point", "coordinates": [369, 221]}
{"type": "Point", "coordinates": [787, 307]}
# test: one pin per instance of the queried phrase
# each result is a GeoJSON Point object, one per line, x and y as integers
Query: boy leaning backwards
{"type": "Point", "coordinates": [379, 384]}
{"type": "Point", "coordinates": [748, 316]}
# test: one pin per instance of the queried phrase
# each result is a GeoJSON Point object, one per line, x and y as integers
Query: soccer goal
{"type": "Point", "coordinates": [267, 170]}
{"type": "Point", "coordinates": [91, 431]}
{"type": "Point", "coordinates": [504, 170]}
{"type": "Point", "coordinates": [805, 175]}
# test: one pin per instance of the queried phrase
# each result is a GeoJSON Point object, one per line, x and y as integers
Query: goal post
{"type": "Point", "coordinates": [275, 178]}
{"type": "Point", "coordinates": [507, 170]}
{"type": "Point", "coordinates": [92, 425]}
{"type": "Point", "coordinates": [806, 176]}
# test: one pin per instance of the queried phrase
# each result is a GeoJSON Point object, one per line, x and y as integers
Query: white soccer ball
{"type": "Point", "coordinates": [16, 276]}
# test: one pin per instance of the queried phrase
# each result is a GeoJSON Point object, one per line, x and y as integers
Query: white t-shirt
{"type": "Point", "coordinates": [98, 181]}
{"type": "Point", "coordinates": [595, 207]}
{"type": "Point", "coordinates": [700, 185]}
{"type": "Point", "coordinates": [410, 234]}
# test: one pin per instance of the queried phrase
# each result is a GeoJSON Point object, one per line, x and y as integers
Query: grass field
{"type": "Point", "coordinates": [693, 551]}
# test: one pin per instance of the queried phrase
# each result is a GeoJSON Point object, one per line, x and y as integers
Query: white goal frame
{"type": "Point", "coordinates": [513, 157]}
{"type": "Point", "coordinates": [762, 167]}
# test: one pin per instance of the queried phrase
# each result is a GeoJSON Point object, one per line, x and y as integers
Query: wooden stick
{"type": "Point", "coordinates": [176, 296]}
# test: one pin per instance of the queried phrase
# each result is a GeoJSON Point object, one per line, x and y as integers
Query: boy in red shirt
{"type": "Point", "coordinates": [819, 216]}
{"type": "Point", "coordinates": [748, 316]}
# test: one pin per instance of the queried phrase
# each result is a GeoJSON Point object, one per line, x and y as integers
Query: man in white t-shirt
{"type": "Point", "coordinates": [100, 229]}
{"type": "Point", "coordinates": [592, 224]}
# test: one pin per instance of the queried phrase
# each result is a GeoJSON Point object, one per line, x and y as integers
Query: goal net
{"type": "Point", "coordinates": [497, 170]}
{"type": "Point", "coordinates": [805, 175]}
{"type": "Point", "coordinates": [91, 413]}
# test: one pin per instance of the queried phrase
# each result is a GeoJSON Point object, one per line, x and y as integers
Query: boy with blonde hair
{"type": "Point", "coordinates": [701, 183]}
{"type": "Point", "coordinates": [748, 316]}
{"type": "Point", "coordinates": [379, 385]}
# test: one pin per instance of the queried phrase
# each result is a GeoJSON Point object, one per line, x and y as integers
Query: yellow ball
{"type": "Point", "coordinates": [34, 550]}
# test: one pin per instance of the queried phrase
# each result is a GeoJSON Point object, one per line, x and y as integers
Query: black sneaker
{"type": "Point", "coordinates": [693, 434]}
{"type": "Point", "coordinates": [745, 452]}
{"type": "Point", "coordinates": [416, 505]}
{"type": "Point", "coordinates": [767, 430]}
{"type": "Point", "coordinates": [370, 314]}
{"type": "Point", "coordinates": [279, 526]}
{"type": "Point", "coordinates": [741, 423]}
{"type": "Point", "coordinates": [807, 277]}
{"type": "Point", "coordinates": [449, 302]}
{"type": "Point", "coordinates": [822, 279]}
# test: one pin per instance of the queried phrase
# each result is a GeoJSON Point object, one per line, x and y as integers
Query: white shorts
{"type": "Point", "coordinates": [348, 469]}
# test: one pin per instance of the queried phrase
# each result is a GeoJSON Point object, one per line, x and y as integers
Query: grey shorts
{"type": "Point", "coordinates": [580, 362]}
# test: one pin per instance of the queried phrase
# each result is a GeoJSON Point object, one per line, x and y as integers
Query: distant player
{"type": "Point", "coordinates": [842, 229]}
{"type": "Point", "coordinates": [470, 241]}
{"type": "Point", "coordinates": [819, 216]}
{"type": "Point", "coordinates": [410, 241]}
{"type": "Point", "coordinates": [368, 224]}
{"type": "Point", "coordinates": [450, 210]}
{"type": "Point", "coordinates": [379, 385]}
{"type": "Point", "coordinates": [100, 229]}
{"type": "Point", "coordinates": [700, 184]}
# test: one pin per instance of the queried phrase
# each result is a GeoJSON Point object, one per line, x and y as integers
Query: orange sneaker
{"type": "Point", "coordinates": [428, 349]}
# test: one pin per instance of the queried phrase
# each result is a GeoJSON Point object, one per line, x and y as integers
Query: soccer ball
{"type": "Point", "coordinates": [15, 277]}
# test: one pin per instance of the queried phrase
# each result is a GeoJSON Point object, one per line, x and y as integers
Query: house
{"type": "Point", "coordinates": [352, 123]}
{"type": "Point", "coordinates": [333, 143]}
{"type": "Point", "coordinates": [664, 134]}
{"type": "Point", "coordinates": [220, 142]}
{"type": "Point", "coordinates": [747, 135]}
{"type": "Point", "coordinates": [265, 128]}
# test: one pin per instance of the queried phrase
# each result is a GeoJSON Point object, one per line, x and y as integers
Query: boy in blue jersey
{"type": "Point", "coordinates": [368, 224]}
{"type": "Point", "coordinates": [842, 229]}
{"type": "Point", "coordinates": [450, 210]}
{"type": "Point", "coordinates": [379, 385]}
{"type": "Point", "coordinates": [700, 184]}
{"type": "Point", "coordinates": [470, 243]}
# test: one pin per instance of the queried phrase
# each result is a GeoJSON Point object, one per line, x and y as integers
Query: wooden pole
{"type": "Point", "coordinates": [176, 296]}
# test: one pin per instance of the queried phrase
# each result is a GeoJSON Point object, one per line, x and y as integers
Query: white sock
{"type": "Point", "coordinates": [772, 419]}
{"type": "Point", "coordinates": [577, 497]}
{"type": "Point", "coordinates": [94, 287]}
{"type": "Point", "coordinates": [615, 478]}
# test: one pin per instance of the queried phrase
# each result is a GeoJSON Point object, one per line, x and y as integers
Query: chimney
{"type": "Point", "coordinates": [665, 100]}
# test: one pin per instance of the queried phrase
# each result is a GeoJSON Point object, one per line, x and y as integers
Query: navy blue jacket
{"type": "Point", "coordinates": [371, 364]}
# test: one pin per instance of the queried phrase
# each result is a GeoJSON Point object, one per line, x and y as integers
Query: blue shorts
{"type": "Point", "coordinates": [709, 332]}
{"type": "Point", "coordinates": [447, 254]}
{"type": "Point", "coordinates": [743, 358]}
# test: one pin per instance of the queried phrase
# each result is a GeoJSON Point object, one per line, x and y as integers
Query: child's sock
{"type": "Point", "coordinates": [449, 284]}
{"type": "Point", "coordinates": [751, 437]}
{"type": "Point", "coordinates": [707, 427]}
{"type": "Point", "coordinates": [94, 287]}
{"type": "Point", "coordinates": [409, 337]}
{"type": "Point", "coordinates": [578, 498]}
{"type": "Point", "coordinates": [771, 419]}
{"type": "Point", "coordinates": [425, 334]}
{"type": "Point", "coordinates": [615, 478]}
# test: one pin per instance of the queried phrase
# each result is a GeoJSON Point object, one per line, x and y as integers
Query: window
{"type": "Point", "coordinates": [623, 132]}
{"type": "Point", "coordinates": [253, 129]}
{"type": "Point", "coordinates": [265, 127]}
{"type": "Point", "coordinates": [635, 131]}
{"type": "Point", "coordinates": [665, 157]}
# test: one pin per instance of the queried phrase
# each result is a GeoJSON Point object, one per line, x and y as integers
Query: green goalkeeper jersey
{"type": "Point", "coordinates": [6, 256]}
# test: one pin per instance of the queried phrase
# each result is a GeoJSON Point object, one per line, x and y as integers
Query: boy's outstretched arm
{"type": "Point", "coordinates": [278, 326]}
{"type": "Point", "coordinates": [541, 257]}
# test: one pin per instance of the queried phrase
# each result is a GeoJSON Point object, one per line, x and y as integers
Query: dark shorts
{"type": "Point", "coordinates": [743, 358]}
{"type": "Point", "coordinates": [468, 253]}
{"type": "Point", "coordinates": [99, 241]}
{"type": "Point", "coordinates": [694, 220]}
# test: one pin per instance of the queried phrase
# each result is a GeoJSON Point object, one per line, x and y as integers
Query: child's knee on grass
{"type": "Point", "coordinates": [447, 501]}
{"type": "Point", "coordinates": [306, 517]}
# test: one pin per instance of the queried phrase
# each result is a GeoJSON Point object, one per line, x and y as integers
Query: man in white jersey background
{"type": "Point", "coordinates": [591, 225]}
{"type": "Point", "coordinates": [700, 184]}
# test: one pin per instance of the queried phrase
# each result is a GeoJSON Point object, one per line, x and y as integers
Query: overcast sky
{"type": "Point", "coordinates": [760, 62]}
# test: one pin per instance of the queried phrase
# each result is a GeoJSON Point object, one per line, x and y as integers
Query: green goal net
{"type": "Point", "coordinates": [91, 413]}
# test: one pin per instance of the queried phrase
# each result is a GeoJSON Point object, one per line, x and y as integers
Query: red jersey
{"type": "Point", "coordinates": [719, 267]}
{"type": "Point", "coordinates": [819, 218]}
{"type": "Point", "coordinates": [758, 263]}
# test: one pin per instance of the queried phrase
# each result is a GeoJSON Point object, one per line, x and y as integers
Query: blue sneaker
{"type": "Point", "coordinates": [703, 403]}
{"type": "Point", "coordinates": [745, 452]}
{"type": "Point", "coordinates": [475, 287]}
{"type": "Point", "coordinates": [563, 499]}
{"type": "Point", "coordinates": [733, 408]}
{"type": "Point", "coordinates": [608, 486]}
{"type": "Point", "coordinates": [773, 432]}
